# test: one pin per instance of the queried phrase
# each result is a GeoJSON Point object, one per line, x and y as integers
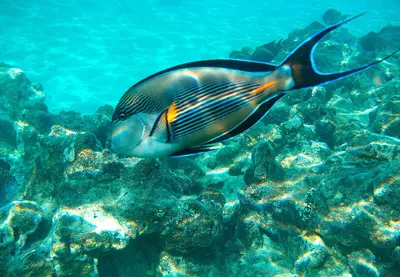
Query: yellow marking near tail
{"type": "Point", "coordinates": [263, 87]}
{"type": "Point", "coordinates": [172, 113]}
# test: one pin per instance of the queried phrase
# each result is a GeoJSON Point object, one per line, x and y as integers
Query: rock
{"type": "Point", "coordinates": [213, 199]}
{"type": "Point", "coordinates": [385, 119]}
{"type": "Point", "coordinates": [267, 52]}
{"type": "Point", "coordinates": [8, 135]}
{"type": "Point", "coordinates": [227, 154]}
{"type": "Point", "coordinates": [372, 41]}
{"type": "Point", "coordinates": [387, 185]}
{"type": "Point", "coordinates": [239, 55]}
{"type": "Point", "coordinates": [325, 130]}
{"type": "Point", "coordinates": [99, 124]}
{"type": "Point", "coordinates": [8, 184]}
{"type": "Point", "coordinates": [262, 54]}
{"type": "Point", "coordinates": [315, 257]}
{"type": "Point", "coordinates": [298, 97]}
{"type": "Point", "coordinates": [21, 219]}
{"type": "Point", "coordinates": [86, 141]}
{"type": "Point", "coordinates": [363, 263]}
{"type": "Point", "coordinates": [332, 16]}
{"type": "Point", "coordinates": [301, 34]}
{"type": "Point", "coordinates": [311, 110]}
{"type": "Point", "coordinates": [197, 225]}
{"type": "Point", "coordinates": [390, 32]}
{"type": "Point", "coordinates": [17, 92]}
{"type": "Point", "coordinates": [244, 54]}
{"type": "Point", "coordinates": [264, 166]}
{"type": "Point", "coordinates": [88, 230]}
{"type": "Point", "coordinates": [293, 125]}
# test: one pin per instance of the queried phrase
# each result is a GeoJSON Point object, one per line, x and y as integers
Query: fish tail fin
{"type": "Point", "coordinates": [301, 61]}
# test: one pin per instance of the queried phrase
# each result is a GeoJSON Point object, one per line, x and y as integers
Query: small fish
{"type": "Point", "coordinates": [191, 108]}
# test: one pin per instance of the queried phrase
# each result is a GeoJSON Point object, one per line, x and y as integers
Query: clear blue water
{"type": "Point", "coordinates": [87, 53]}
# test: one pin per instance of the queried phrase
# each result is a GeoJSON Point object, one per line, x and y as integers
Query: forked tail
{"type": "Point", "coordinates": [301, 61]}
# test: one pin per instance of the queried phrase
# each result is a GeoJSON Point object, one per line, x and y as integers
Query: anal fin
{"type": "Point", "coordinates": [197, 149]}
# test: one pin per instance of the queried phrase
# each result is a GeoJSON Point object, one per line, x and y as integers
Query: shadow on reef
{"type": "Point", "coordinates": [311, 190]}
{"type": "Point", "coordinates": [139, 258]}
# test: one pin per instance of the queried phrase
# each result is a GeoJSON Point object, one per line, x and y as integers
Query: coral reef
{"type": "Point", "coordinates": [311, 190]}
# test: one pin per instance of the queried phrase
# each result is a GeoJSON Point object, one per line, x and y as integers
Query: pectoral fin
{"type": "Point", "coordinates": [160, 130]}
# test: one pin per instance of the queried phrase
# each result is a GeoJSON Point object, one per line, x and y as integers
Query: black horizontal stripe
{"type": "Point", "coordinates": [213, 115]}
{"type": "Point", "coordinates": [222, 93]}
{"type": "Point", "coordinates": [210, 115]}
{"type": "Point", "coordinates": [189, 90]}
{"type": "Point", "coordinates": [213, 109]}
{"type": "Point", "coordinates": [219, 113]}
{"type": "Point", "coordinates": [210, 90]}
{"type": "Point", "coordinates": [206, 121]}
{"type": "Point", "coordinates": [190, 115]}
{"type": "Point", "coordinates": [200, 91]}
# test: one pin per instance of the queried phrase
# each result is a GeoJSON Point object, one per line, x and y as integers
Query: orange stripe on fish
{"type": "Point", "coordinates": [172, 113]}
{"type": "Point", "coordinates": [263, 87]}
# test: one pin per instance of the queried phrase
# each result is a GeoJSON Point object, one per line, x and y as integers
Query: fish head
{"type": "Point", "coordinates": [127, 134]}
{"type": "Point", "coordinates": [131, 137]}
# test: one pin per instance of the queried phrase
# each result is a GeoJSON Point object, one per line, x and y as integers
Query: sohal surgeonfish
{"type": "Point", "coordinates": [190, 108]}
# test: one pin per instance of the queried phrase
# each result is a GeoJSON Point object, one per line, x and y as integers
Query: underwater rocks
{"type": "Point", "coordinates": [372, 42]}
{"type": "Point", "coordinates": [82, 234]}
{"type": "Point", "coordinates": [8, 185]}
{"type": "Point", "coordinates": [8, 135]}
{"type": "Point", "coordinates": [22, 218]}
{"type": "Point", "coordinates": [263, 53]}
{"type": "Point", "coordinates": [380, 41]}
{"type": "Point", "coordinates": [17, 92]}
{"type": "Point", "coordinates": [18, 220]}
{"type": "Point", "coordinates": [198, 224]}
{"type": "Point", "coordinates": [332, 16]}
{"type": "Point", "coordinates": [385, 119]}
{"type": "Point", "coordinates": [363, 263]}
{"type": "Point", "coordinates": [99, 124]}
{"type": "Point", "coordinates": [264, 167]}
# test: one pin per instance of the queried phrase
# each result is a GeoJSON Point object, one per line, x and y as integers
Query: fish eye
{"type": "Point", "coordinates": [122, 116]}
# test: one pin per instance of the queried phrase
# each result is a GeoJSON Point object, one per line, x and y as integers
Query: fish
{"type": "Point", "coordinates": [191, 108]}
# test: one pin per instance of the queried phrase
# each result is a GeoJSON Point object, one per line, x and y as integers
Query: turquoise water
{"type": "Point", "coordinates": [87, 53]}
{"type": "Point", "coordinates": [312, 189]}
